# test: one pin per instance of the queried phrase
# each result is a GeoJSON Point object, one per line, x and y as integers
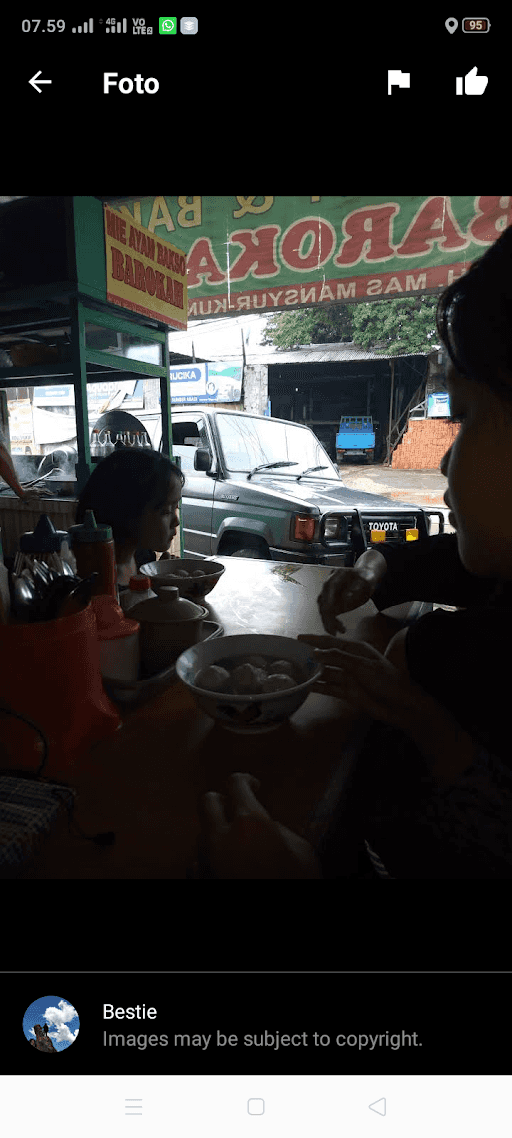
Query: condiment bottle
{"type": "Point", "coordinates": [118, 636]}
{"type": "Point", "coordinates": [95, 444]}
{"type": "Point", "coordinates": [108, 445]}
{"type": "Point", "coordinates": [139, 589]}
{"type": "Point", "coordinates": [94, 549]}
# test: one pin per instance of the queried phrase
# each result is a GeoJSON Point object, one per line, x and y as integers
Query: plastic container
{"type": "Point", "coordinates": [139, 589]}
{"type": "Point", "coordinates": [44, 541]}
{"type": "Point", "coordinates": [50, 674]}
{"type": "Point", "coordinates": [94, 550]}
{"type": "Point", "coordinates": [168, 625]}
{"type": "Point", "coordinates": [118, 637]}
{"type": "Point", "coordinates": [5, 596]}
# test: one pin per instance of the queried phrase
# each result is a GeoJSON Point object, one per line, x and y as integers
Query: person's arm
{"type": "Point", "coordinates": [8, 472]}
{"type": "Point", "coordinates": [428, 570]}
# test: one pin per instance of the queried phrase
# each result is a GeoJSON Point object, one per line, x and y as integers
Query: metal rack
{"type": "Point", "coordinates": [62, 308]}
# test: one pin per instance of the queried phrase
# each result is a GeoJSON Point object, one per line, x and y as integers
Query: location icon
{"type": "Point", "coordinates": [452, 25]}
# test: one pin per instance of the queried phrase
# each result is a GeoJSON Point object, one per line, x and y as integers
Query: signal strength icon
{"type": "Point", "coordinates": [112, 27]}
{"type": "Point", "coordinates": [85, 28]}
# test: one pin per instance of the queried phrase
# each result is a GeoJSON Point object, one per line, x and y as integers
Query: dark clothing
{"type": "Point", "coordinates": [458, 657]}
{"type": "Point", "coordinates": [411, 826]}
{"type": "Point", "coordinates": [45, 1029]}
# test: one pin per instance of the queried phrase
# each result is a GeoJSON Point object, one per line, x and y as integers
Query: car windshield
{"type": "Point", "coordinates": [247, 443]}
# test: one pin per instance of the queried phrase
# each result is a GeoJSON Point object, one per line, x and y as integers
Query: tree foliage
{"type": "Point", "coordinates": [402, 326]}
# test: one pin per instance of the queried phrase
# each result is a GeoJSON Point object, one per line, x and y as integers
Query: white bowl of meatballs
{"type": "Point", "coordinates": [250, 683]}
{"type": "Point", "coordinates": [192, 578]}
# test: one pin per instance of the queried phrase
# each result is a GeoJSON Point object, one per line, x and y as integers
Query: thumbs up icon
{"type": "Point", "coordinates": [473, 84]}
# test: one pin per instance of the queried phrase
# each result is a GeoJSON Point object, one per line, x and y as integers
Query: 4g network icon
{"type": "Point", "coordinates": [474, 84]}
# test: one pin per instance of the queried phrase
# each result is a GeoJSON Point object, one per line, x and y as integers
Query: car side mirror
{"type": "Point", "coordinates": [202, 459]}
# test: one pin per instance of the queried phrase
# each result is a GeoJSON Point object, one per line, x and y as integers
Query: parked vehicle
{"type": "Point", "coordinates": [355, 436]}
{"type": "Point", "coordinates": [266, 488]}
{"type": "Point", "coordinates": [262, 487]}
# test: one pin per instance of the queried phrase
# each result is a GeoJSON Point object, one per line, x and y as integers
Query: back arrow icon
{"type": "Point", "coordinates": [379, 1107]}
{"type": "Point", "coordinates": [34, 83]}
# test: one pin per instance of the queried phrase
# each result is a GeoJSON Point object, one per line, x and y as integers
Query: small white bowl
{"type": "Point", "coordinates": [163, 573]}
{"type": "Point", "coordinates": [249, 713]}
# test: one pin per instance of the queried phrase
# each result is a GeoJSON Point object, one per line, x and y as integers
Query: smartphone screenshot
{"type": "Point", "coordinates": [114, 1054]}
{"type": "Point", "coordinates": [219, 69]}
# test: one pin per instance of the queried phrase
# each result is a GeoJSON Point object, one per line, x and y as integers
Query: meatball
{"type": "Point", "coordinates": [212, 678]}
{"type": "Point", "coordinates": [277, 682]}
{"type": "Point", "coordinates": [197, 573]}
{"type": "Point", "coordinates": [256, 661]}
{"type": "Point", "coordinates": [283, 667]}
{"type": "Point", "coordinates": [247, 680]}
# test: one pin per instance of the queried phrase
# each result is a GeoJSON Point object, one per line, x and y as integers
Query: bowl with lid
{"type": "Point", "coordinates": [168, 624]}
{"type": "Point", "coordinates": [193, 579]}
{"type": "Point", "coordinates": [249, 711]}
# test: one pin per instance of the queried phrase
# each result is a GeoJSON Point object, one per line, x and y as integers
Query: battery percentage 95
{"type": "Point", "coordinates": [471, 24]}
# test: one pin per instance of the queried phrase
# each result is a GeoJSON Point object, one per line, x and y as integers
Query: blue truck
{"type": "Point", "coordinates": [355, 436]}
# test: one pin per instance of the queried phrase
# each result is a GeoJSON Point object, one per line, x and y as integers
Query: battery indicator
{"type": "Point", "coordinates": [86, 28]}
{"type": "Point", "coordinates": [472, 24]}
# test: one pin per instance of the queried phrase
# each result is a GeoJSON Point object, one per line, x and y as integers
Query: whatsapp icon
{"type": "Point", "coordinates": [167, 25]}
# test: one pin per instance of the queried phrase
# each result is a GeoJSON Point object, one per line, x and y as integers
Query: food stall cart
{"type": "Point", "coordinates": [85, 297]}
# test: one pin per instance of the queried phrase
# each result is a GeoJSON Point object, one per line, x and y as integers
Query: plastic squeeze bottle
{"type": "Point", "coordinates": [139, 589]}
{"type": "Point", "coordinates": [93, 546]}
{"type": "Point", "coordinates": [118, 636]}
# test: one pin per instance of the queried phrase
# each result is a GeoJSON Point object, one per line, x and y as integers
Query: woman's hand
{"type": "Point", "coordinates": [29, 497]}
{"type": "Point", "coordinates": [241, 841]}
{"type": "Point", "coordinates": [345, 590]}
{"type": "Point", "coordinates": [358, 673]}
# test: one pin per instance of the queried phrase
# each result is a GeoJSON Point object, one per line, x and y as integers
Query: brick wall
{"type": "Point", "coordinates": [424, 443]}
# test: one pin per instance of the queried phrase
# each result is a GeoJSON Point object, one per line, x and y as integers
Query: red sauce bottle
{"type": "Point", "coordinates": [94, 550]}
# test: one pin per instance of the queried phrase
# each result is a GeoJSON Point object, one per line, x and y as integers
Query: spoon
{"type": "Point", "coordinates": [24, 597]}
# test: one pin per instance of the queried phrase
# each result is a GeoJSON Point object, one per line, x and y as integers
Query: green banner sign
{"type": "Point", "coordinates": [262, 254]}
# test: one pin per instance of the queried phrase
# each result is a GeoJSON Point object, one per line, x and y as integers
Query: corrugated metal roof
{"type": "Point", "coordinates": [317, 353]}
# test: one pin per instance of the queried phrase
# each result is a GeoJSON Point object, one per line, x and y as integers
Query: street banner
{"type": "Point", "coordinates": [246, 254]}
